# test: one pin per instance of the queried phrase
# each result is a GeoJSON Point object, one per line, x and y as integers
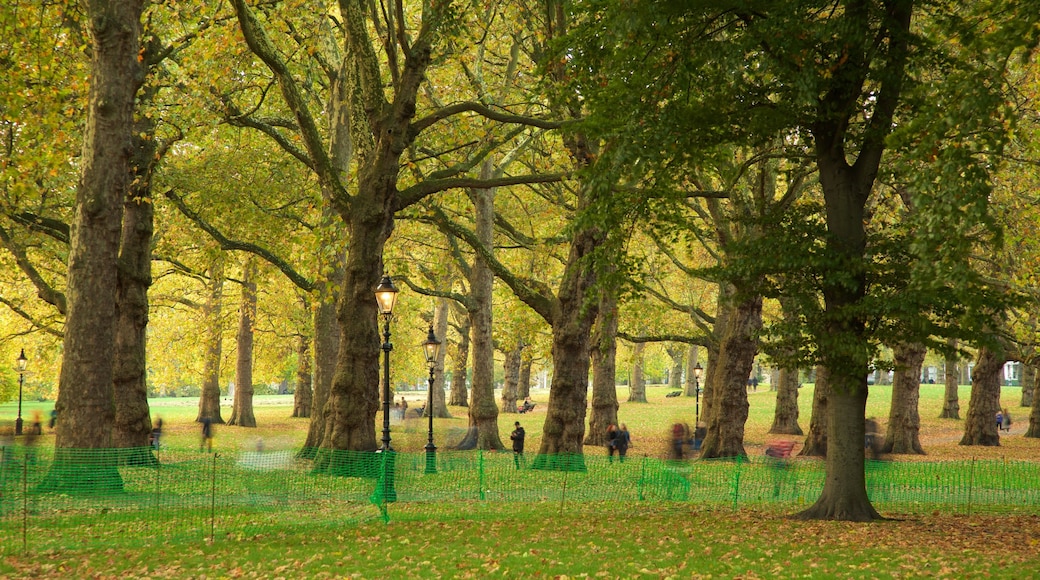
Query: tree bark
{"type": "Point", "coordinates": [440, 326]}
{"type": "Point", "coordinates": [604, 371]}
{"type": "Point", "coordinates": [725, 436]}
{"type": "Point", "coordinates": [816, 441]}
{"type": "Point", "coordinates": [723, 312]}
{"type": "Point", "coordinates": [511, 370]}
{"type": "Point", "coordinates": [785, 418]}
{"type": "Point", "coordinates": [303, 396]}
{"type": "Point", "coordinates": [242, 409]}
{"type": "Point", "coordinates": [577, 309]}
{"type": "Point", "coordinates": [1033, 431]}
{"type": "Point", "coordinates": [637, 387]}
{"type": "Point", "coordinates": [459, 393]}
{"type": "Point", "coordinates": [980, 427]}
{"type": "Point", "coordinates": [524, 387]}
{"type": "Point", "coordinates": [904, 421]}
{"type": "Point", "coordinates": [483, 412]}
{"type": "Point", "coordinates": [951, 404]}
{"type": "Point", "coordinates": [326, 350]}
{"type": "Point", "coordinates": [1029, 376]}
{"type": "Point", "coordinates": [845, 498]}
{"type": "Point", "coordinates": [133, 423]}
{"type": "Point", "coordinates": [675, 352]}
{"type": "Point", "coordinates": [86, 411]}
{"type": "Point", "coordinates": [692, 358]}
{"type": "Point", "coordinates": [209, 398]}
{"type": "Point", "coordinates": [356, 386]}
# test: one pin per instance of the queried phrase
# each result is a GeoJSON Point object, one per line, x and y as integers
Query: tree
{"type": "Point", "coordinates": [242, 411]}
{"type": "Point", "coordinates": [373, 130]}
{"type": "Point", "coordinates": [86, 409]}
{"type": "Point", "coordinates": [904, 421]}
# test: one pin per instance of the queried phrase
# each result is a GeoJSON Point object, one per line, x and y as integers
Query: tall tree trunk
{"type": "Point", "coordinates": [785, 382]}
{"type": "Point", "coordinates": [459, 394]}
{"type": "Point", "coordinates": [951, 404]}
{"type": "Point", "coordinates": [904, 421]}
{"type": "Point", "coordinates": [980, 427]}
{"type": "Point", "coordinates": [675, 352]}
{"type": "Point", "coordinates": [511, 370]}
{"type": "Point", "coordinates": [692, 358]}
{"type": "Point", "coordinates": [133, 422]}
{"type": "Point", "coordinates": [353, 401]}
{"type": "Point", "coordinates": [209, 399]}
{"type": "Point", "coordinates": [725, 437]}
{"type": "Point", "coordinates": [483, 412]}
{"type": "Point", "coordinates": [785, 418]}
{"type": "Point", "coordinates": [524, 387]}
{"type": "Point", "coordinates": [842, 498]}
{"type": "Point", "coordinates": [723, 311]}
{"type": "Point", "coordinates": [86, 409]}
{"type": "Point", "coordinates": [440, 325]}
{"type": "Point", "coordinates": [1033, 431]}
{"type": "Point", "coordinates": [604, 371]}
{"type": "Point", "coordinates": [564, 428]}
{"type": "Point", "coordinates": [816, 441]}
{"type": "Point", "coordinates": [242, 409]}
{"type": "Point", "coordinates": [303, 396]}
{"type": "Point", "coordinates": [637, 387]}
{"type": "Point", "coordinates": [326, 352]}
{"type": "Point", "coordinates": [1029, 376]}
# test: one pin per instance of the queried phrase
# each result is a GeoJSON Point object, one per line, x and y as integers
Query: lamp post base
{"type": "Point", "coordinates": [431, 458]}
{"type": "Point", "coordinates": [385, 484]}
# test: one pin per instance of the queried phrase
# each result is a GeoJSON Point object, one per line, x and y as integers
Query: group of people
{"type": "Point", "coordinates": [682, 438]}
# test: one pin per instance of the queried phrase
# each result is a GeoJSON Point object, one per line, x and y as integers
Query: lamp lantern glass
{"type": "Point", "coordinates": [697, 370]}
{"type": "Point", "coordinates": [22, 362]}
{"type": "Point", "coordinates": [431, 348]}
{"type": "Point", "coordinates": [386, 296]}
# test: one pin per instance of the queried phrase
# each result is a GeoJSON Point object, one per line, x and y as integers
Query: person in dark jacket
{"type": "Point", "coordinates": [621, 442]}
{"type": "Point", "coordinates": [517, 437]}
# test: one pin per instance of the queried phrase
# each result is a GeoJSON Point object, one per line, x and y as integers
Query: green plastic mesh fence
{"type": "Point", "coordinates": [50, 499]}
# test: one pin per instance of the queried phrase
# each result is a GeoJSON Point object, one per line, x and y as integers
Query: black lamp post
{"type": "Point", "coordinates": [22, 363]}
{"type": "Point", "coordinates": [697, 370]}
{"type": "Point", "coordinates": [386, 297]}
{"type": "Point", "coordinates": [431, 348]}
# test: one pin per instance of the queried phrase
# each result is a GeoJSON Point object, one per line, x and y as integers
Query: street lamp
{"type": "Point", "coordinates": [22, 362]}
{"type": "Point", "coordinates": [697, 370]}
{"type": "Point", "coordinates": [431, 348]}
{"type": "Point", "coordinates": [386, 297]}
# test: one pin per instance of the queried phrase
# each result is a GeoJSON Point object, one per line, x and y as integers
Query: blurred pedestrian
{"type": "Point", "coordinates": [680, 434]}
{"type": "Point", "coordinates": [1005, 421]}
{"type": "Point", "coordinates": [611, 442]}
{"type": "Point", "coordinates": [207, 435]}
{"type": "Point", "coordinates": [622, 441]}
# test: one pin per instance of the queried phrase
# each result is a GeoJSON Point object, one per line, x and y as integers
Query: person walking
{"type": "Point", "coordinates": [611, 439]}
{"type": "Point", "coordinates": [622, 441]}
{"type": "Point", "coordinates": [517, 437]}
{"type": "Point", "coordinates": [207, 435]}
{"type": "Point", "coordinates": [1005, 421]}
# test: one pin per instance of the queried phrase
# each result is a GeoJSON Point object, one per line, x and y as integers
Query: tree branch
{"type": "Point", "coordinates": [426, 122]}
{"type": "Point", "coordinates": [44, 290]}
{"type": "Point", "coordinates": [418, 191]}
{"type": "Point", "coordinates": [531, 292]}
{"type": "Point", "coordinates": [228, 244]}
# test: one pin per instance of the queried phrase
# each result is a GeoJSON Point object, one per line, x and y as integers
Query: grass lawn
{"type": "Point", "coordinates": [623, 539]}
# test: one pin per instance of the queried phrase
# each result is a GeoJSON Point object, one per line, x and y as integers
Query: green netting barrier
{"type": "Point", "coordinates": [53, 499]}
